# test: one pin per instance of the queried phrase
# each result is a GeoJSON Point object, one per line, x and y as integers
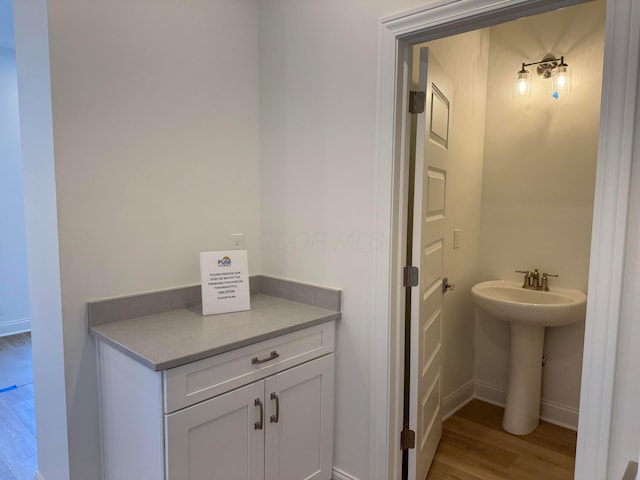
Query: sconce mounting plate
{"type": "Point", "coordinates": [546, 66]}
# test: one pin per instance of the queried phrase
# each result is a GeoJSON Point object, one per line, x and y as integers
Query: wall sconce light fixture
{"type": "Point", "coordinates": [522, 84]}
{"type": "Point", "coordinates": [548, 67]}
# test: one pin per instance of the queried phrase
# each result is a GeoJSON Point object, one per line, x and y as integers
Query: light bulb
{"type": "Point", "coordinates": [561, 79]}
{"type": "Point", "coordinates": [522, 84]}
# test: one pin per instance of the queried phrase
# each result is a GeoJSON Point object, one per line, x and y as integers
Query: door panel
{"type": "Point", "coordinates": [439, 127]}
{"type": "Point", "coordinates": [432, 268]}
{"type": "Point", "coordinates": [436, 189]}
{"type": "Point", "coordinates": [218, 438]}
{"type": "Point", "coordinates": [299, 433]}
{"type": "Point", "coordinates": [431, 340]}
{"type": "Point", "coordinates": [429, 231]}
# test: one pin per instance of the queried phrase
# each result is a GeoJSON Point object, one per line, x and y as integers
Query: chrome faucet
{"type": "Point", "coordinates": [534, 281]}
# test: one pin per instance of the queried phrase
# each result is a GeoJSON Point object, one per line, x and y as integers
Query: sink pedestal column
{"type": "Point", "coordinates": [522, 412]}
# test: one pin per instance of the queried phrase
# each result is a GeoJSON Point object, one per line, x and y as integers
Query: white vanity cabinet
{"type": "Point", "coordinates": [260, 412]}
{"type": "Point", "coordinates": [276, 428]}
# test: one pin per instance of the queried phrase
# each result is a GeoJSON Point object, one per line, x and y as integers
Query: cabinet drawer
{"type": "Point", "coordinates": [198, 381]}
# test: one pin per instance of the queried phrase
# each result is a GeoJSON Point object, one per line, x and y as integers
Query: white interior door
{"type": "Point", "coordinates": [429, 225]}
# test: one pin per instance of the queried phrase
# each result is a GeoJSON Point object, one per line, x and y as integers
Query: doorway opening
{"type": "Point", "coordinates": [501, 184]}
{"type": "Point", "coordinates": [18, 453]}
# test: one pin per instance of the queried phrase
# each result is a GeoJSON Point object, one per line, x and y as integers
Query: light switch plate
{"type": "Point", "coordinates": [457, 233]}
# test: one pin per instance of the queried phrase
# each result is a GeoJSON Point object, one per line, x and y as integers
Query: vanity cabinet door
{"type": "Point", "coordinates": [221, 438]}
{"type": "Point", "coordinates": [299, 422]}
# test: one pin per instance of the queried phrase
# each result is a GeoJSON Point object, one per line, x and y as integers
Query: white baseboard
{"type": "Point", "coordinates": [340, 475]}
{"type": "Point", "coordinates": [558, 414]}
{"type": "Point", "coordinates": [489, 393]}
{"type": "Point", "coordinates": [458, 399]}
{"type": "Point", "coordinates": [15, 326]}
{"type": "Point", "coordinates": [551, 412]}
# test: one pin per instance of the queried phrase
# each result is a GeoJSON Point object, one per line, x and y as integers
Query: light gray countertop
{"type": "Point", "coordinates": [170, 339]}
{"type": "Point", "coordinates": [631, 472]}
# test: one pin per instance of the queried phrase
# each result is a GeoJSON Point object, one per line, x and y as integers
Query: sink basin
{"type": "Point", "coordinates": [509, 301]}
{"type": "Point", "coordinates": [529, 312]}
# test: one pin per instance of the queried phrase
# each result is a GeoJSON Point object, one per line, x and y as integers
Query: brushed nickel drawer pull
{"type": "Point", "coordinates": [273, 356]}
{"type": "Point", "coordinates": [258, 425]}
{"type": "Point", "coordinates": [276, 417]}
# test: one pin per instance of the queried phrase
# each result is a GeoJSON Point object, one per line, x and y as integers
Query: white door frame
{"type": "Point", "coordinates": [612, 194]}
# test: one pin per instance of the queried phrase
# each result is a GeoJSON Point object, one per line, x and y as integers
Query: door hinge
{"type": "Point", "coordinates": [417, 100]}
{"type": "Point", "coordinates": [411, 275]}
{"type": "Point", "coordinates": [407, 439]}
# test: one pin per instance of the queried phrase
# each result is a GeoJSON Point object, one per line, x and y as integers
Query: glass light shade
{"type": "Point", "coordinates": [561, 80]}
{"type": "Point", "coordinates": [522, 84]}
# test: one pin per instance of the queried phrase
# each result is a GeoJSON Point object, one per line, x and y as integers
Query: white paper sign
{"type": "Point", "coordinates": [225, 281]}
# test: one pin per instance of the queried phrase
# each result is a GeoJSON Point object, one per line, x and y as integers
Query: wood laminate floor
{"type": "Point", "coordinates": [16, 367]}
{"type": "Point", "coordinates": [475, 447]}
{"type": "Point", "coordinates": [18, 454]}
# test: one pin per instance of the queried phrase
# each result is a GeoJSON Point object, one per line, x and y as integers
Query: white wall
{"type": "Point", "coordinates": [14, 292]}
{"type": "Point", "coordinates": [464, 58]}
{"type": "Point", "coordinates": [155, 121]}
{"type": "Point", "coordinates": [538, 183]}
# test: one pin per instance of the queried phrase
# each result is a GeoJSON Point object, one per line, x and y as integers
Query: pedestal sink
{"type": "Point", "coordinates": [529, 312]}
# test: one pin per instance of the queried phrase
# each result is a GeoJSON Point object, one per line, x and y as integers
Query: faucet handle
{"type": "Point", "coordinates": [527, 277]}
{"type": "Point", "coordinates": [545, 281]}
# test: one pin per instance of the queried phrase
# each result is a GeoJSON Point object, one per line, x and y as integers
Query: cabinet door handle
{"type": "Point", "coordinates": [258, 425]}
{"type": "Point", "coordinates": [276, 417]}
{"type": "Point", "coordinates": [273, 356]}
